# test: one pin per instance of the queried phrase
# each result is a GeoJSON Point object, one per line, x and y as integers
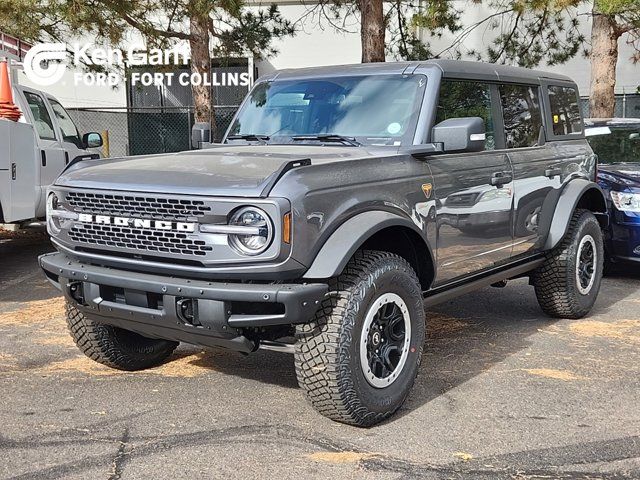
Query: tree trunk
{"type": "Point", "coordinates": [201, 65]}
{"type": "Point", "coordinates": [604, 58]}
{"type": "Point", "coordinates": [372, 30]}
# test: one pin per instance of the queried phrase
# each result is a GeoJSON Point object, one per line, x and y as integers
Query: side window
{"type": "Point", "coordinates": [565, 110]}
{"type": "Point", "coordinates": [42, 120]}
{"type": "Point", "coordinates": [467, 99]}
{"type": "Point", "coordinates": [69, 131]}
{"type": "Point", "coordinates": [522, 115]}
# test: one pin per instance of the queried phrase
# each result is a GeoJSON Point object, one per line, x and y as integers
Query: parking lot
{"type": "Point", "coordinates": [503, 392]}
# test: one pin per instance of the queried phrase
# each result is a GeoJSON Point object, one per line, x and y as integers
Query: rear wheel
{"type": "Point", "coordinates": [116, 347]}
{"type": "Point", "coordinates": [567, 284]}
{"type": "Point", "coordinates": [359, 358]}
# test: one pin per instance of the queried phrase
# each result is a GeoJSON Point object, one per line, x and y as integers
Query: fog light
{"type": "Point", "coordinates": [637, 250]}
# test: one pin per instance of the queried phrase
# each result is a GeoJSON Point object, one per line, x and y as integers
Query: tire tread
{"type": "Point", "coordinates": [321, 359]}
{"type": "Point", "coordinates": [103, 344]}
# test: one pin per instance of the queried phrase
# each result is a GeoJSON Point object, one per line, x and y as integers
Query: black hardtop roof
{"type": "Point", "coordinates": [449, 68]}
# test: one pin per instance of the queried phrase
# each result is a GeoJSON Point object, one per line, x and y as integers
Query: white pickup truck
{"type": "Point", "coordinates": [34, 151]}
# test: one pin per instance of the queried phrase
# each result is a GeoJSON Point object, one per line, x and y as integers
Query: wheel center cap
{"type": "Point", "coordinates": [375, 338]}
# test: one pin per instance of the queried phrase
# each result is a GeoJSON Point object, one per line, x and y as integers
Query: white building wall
{"type": "Point", "coordinates": [314, 46]}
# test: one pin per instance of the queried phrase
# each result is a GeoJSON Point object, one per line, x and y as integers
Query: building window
{"type": "Point", "coordinates": [522, 115]}
{"type": "Point", "coordinates": [565, 110]}
{"type": "Point", "coordinates": [467, 99]}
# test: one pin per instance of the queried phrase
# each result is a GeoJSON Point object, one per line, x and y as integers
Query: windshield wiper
{"type": "Point", "coordinates": [250, 137]}
{"type": "Point", "coordinates": [329, 137]}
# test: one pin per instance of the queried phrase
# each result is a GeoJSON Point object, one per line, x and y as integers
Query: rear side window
{"type": "Point", "coordinates": [522, 115]}
{"type": "Point", "coordinates": [565, 110]}
{"type": "Point", "coordinates": [467, 99]}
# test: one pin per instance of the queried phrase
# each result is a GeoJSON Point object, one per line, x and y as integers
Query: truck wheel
{"type": "Point", "coordinates": [567, 284]}
{"type": "Point", "coordinates": [358, 359]}
{"type": "Point", "coordinates": [116, 347]}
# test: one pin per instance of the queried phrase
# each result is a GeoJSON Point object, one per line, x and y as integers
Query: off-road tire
{"type": "Point", "coordinates": [116, 347]}
{"type": "Point", "coordinates": [327, 356]}
{"type": "Point", "coordinates": [555, 280]}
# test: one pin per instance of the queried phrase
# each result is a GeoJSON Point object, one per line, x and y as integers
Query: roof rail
{"type": "Point", "coordinates": [13, 48]}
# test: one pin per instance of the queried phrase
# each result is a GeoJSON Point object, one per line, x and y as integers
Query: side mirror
{"type": "Point", "coordinates": [92, 140]}
{"type": "Point", "coordinates": [466, 134]}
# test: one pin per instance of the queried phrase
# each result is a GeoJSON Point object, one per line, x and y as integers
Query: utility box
{"type": "Point", "coordinates": [18, 169]}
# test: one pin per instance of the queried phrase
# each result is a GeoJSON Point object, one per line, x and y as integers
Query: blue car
{"type": "Point", "coordinates": [616, 141]}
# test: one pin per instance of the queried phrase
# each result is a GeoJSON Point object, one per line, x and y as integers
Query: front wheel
{"type": "Point", "coordinates": [567, 284]}
{"type": "Point", "coordinates": [116, 347]}
{"type": "Point", "coordinates": [358, 359]}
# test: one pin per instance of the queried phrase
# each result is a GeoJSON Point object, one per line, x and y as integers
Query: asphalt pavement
{"type": "Point", "coordinates": [503, 392]}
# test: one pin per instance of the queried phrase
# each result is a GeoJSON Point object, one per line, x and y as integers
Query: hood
{"type": "Point", "coordinates": [621, 174]}
{"type": "Point", "coordinates": [238, 170]}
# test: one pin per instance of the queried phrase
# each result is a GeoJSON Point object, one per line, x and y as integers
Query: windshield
{"type": "Point", "coordinates": [621, 145]}
{"type": "Point", "coordinates": [373, 110]}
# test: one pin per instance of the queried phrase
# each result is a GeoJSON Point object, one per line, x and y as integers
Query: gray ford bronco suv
{"type": "Point", "coordinates": [340, 202]}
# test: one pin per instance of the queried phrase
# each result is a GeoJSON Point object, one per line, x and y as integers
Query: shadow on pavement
{"type": "Point", "coordinates": [20, 277]}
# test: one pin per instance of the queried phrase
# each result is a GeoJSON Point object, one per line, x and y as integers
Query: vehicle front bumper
{"type": "Point", "coordinates": [149, 304]}
{"type": "Point", "coordinates": [623, 241]}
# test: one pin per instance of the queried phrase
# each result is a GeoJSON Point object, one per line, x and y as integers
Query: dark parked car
{"type": "Point", "coordinates": [335, 206]}
{"type": "Point", "coordinates": [616, 141]}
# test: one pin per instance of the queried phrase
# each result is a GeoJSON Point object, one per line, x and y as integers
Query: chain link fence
{"type": "Point", "coordinates": [146, 130]}
{"type": "Point", "coordinates": [627, 106]}
{"type": "Point", "coordinates": [149, 130]}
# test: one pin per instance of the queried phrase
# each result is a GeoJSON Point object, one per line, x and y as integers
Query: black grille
{"type": "Point", "coordinates": [144, 240]}
{"type": "Point", "coordinates": [158, 208]}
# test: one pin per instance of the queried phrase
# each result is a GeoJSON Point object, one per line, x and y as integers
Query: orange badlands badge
{"type": "Point", "coordinates": [427, 188]}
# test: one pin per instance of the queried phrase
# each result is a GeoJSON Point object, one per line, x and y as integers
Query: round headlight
{"type": "Point", "coordinates": [52, 222]}
{"type": "Point", "coordinates": [259, 231]}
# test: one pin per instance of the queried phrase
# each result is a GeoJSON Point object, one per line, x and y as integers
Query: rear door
{"type": "Point", "coordinates": [474, 213]}
{"type": "Point", "coordinates": [540, 166]}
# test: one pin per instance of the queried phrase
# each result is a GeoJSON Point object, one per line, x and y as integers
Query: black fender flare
{"type": "Point", "coordinates": [350, 236]}
{"type": "Point", "coordinates": [560, 204]}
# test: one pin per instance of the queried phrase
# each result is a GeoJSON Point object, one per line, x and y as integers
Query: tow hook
{"type": "Point", "coordinates": [187, 311]}
{"type": "Point", "coordinates": [77, 292]}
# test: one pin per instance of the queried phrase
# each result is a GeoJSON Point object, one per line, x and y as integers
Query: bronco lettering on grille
{"type": "Point", "coordinates": [137, 223]}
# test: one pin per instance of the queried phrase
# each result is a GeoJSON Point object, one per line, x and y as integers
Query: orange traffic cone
{"type": "Point", "coordinates": [8, 109]}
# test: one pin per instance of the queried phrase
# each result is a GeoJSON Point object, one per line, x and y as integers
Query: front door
{"type": "Point", "coordinates": [69, 135]}
{"type": "Point", "coordinates": [474, 191]}
{"type": "Point", "coordinates": [51, 157]}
